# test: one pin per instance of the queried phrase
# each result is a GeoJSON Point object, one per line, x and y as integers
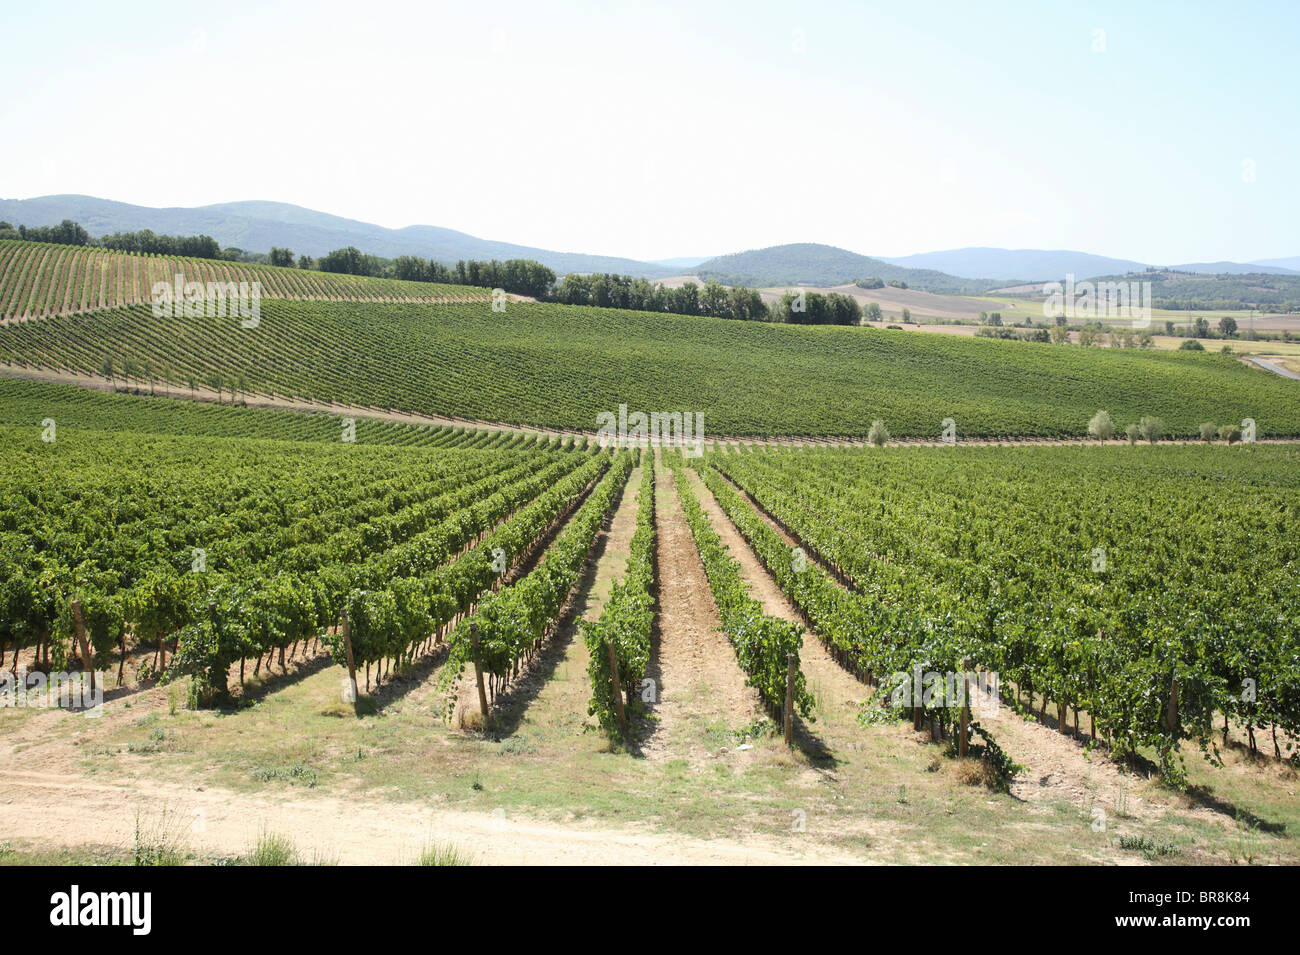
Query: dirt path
{"type": "Point", "coordinates": [260, 400]}
{"type": "Point", "coordinates": [65, 810]}
{"type": "Point", "coordinates": [1274, 367]}
{"type": "Point", "coordinates": [563, 687]}
{"type": "Point", "coordinates": [838, 693]}
{"type": "Point", "coordinates": [700, 685]}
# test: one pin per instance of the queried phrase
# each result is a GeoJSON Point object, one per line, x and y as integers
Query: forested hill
{"type": "Point", "coordinates": [809, 263]}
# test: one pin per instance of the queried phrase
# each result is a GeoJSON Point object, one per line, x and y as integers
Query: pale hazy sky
{"type": "Point", "coordinates": [687, 128]}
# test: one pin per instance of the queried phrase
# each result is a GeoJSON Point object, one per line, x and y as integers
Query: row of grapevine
{"type": "Point", "coordinates": [69, 406]}
{"type": "Point", "coordinates": [873, 639]}
{"type": "Point", "coordinates": [624, 628]}
{"type": "Point", "coordinates": [511, 624]}
{"type": "Point", "coordinates": [766, 647]}
{"type": "Point", "coordinates": [393, 620]}
{"type": "Point", "coordinates": [559, 366]}
{"type": "Point", "coordinates": [39, 280]}
{"type": "Point", "coordinates": [230, 549]}
{"type": "Point", "coordinates": [1113, 587]}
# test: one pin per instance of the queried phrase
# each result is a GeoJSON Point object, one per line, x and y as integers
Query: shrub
{"type": "Point", "coordinates": [1191, 344]}
{"type": "Point", "coordinates": [1151, 428]}
{"type": "Point", "coordinates": [1101, 426]}
{"type": "Point", "coordinates": [879, 434]}
{"type": "Point", "coordinates": [1208, 430]}
{"type": "Point", "coordinates": [1133, 432]}
{"type": "Point", "coordinates": [273, 849]}
{"type": "Point", "coordinates": [1230, 433]}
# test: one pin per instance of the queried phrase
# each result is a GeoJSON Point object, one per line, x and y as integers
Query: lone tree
{"type": "Point", "coordinates": [1151, 428]}
{"type": "Point", "coordinates": [1228, 326]}
{"type": "Point", "coordinates": [1101, 426]}
{"type": "Point", "coordinates": [879, 434]}
{"type": "Point", "coordinates": [1133, 432]}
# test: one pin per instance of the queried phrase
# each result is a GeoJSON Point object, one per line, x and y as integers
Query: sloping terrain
{"type": "Point", "coordinates": [562, 366]}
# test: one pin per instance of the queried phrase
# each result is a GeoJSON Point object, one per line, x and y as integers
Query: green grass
{"type": "Point", "coordinates": [561, 366]}
{"type": "Point", "coordinates": [444, 854]}
{"type": "Point", "coordinates": [273, 849]}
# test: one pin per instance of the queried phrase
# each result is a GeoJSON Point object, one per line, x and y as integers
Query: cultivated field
{"type": "Point", "coordinates": [404, 540]}
{"type": "Point", "coordinates": [356, 606]}
{"type": "Point", "coordinates": [40, 279]}
{"type": "Point", "coordinates": [557, 366]}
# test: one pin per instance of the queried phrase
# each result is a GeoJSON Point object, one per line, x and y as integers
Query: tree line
{"type": "Point", "coordinates": [144, 242]}
{"type": "Point", "coordinates": [519, 276]}
{"type": "Point", "coordinates": [606, 290]}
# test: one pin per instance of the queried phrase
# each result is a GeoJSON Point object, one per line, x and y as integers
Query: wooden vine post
{"type": "Point", "coordinates": [1172, 716]}
{"type": "Point", "coordinates": [963, 740]}
{"type": "Point", "coordinates": [917, 697]}
{"type": "Point", "coordinates": [618, 689]}
{"type": "Point", "coordinates": [87, 655]}
{"type": "Point", "coordinates": [790, 674]}
{"type": "Point", "coordinates": [346, 628]}
{"type": "Point", "coordinates": [478, 672]}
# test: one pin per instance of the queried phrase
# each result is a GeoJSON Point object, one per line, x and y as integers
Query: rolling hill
{"type": "Point", "coordinates": [1038, 264]}
{"type": "Point", "coordinates": [1291, 264]}
{"type": "Point", "coordinates": [1008, 264]}
{"type": "Point", "coordinates": [561, 366]}
{"type": "Point", "coordinates": [257, 226]}
{"type": "Point", "coordinates": [809, 263]}
{"type": "Point", "coordinates": [1191, 290]}
{"type": "Point", "coordinates": [38, 279]}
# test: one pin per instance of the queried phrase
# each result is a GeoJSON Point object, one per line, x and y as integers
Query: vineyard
{"type": "Point", "coordinates": [31, 402]}
{"type": "Point", "coordinates": [557, 366]}
{"type": "Point", "coordinates": [232, 549]}
{"type": "Point", "coordinates": [39, 279]}
{"type": "Point", "coordinates": [1155, 591]}
{"type": "Point", "coordinates": [1135, 604]}
{"type": "Point", "coordinates": [1138, 602]}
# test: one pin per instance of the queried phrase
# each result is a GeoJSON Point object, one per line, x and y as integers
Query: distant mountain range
{"type": "Point", "coordinates": [1291, 263]}
{"type": "Point", "coordinates": [256, 226]}
{"type": "Point", "coordinates": [1006, 264]}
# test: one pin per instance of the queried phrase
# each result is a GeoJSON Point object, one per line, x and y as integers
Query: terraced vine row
{"type": "Point", "coordinates": [38, 280]}
{"type": "Point", "coordinates": [1155, 591]}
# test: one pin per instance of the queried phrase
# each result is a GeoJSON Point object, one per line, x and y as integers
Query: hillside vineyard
{"type": "Point", "coordinates": [557, 366]}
